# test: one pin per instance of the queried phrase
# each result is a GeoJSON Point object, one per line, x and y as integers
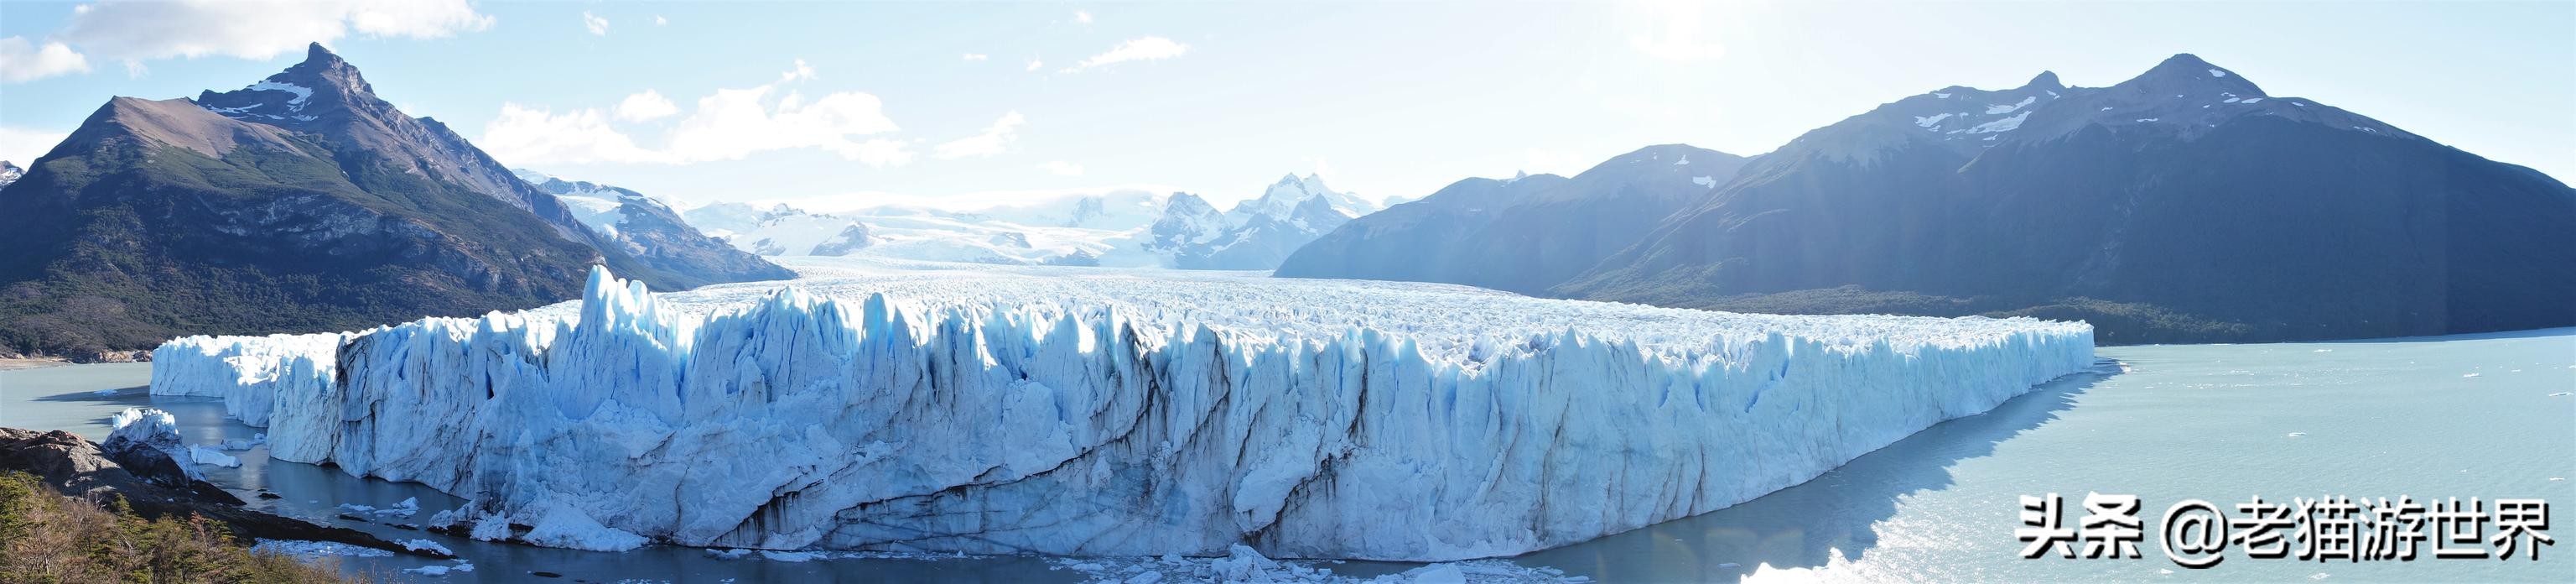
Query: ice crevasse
{"type": "Point", "coordinates": [1109, 416]}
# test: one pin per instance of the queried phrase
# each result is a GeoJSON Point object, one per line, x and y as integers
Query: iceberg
{"type": "Point", "coordinates": [1106, 412]}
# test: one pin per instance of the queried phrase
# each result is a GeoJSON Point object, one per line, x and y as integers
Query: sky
{"type": "Point", "coordinates": [845, 105]}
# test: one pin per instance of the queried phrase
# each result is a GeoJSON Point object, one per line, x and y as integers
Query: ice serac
{"type": "Point", "coordinates": [1111, 415]}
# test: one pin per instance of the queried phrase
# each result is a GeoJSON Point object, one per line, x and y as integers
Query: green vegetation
{"type": "Point", "coordinates": [50, 538]}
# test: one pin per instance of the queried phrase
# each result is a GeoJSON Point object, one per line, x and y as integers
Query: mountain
{"type": "Point", "coordinates": [9, 173]}
{"type": "Point", "coordinates": [1118, 228]}
{"type": "Point", "coordinates": [1522, 234]}
{"type": "Point", "coordinates": [1257, 234]}
{"type": "Point", "coordinates": [299, 203]}
{"type": "Point", "coordinates": [2184, 205]}
{"type": "Point", "coordinates": [781, 230]}
{"type": "Point", "coordinates": [648, 229]}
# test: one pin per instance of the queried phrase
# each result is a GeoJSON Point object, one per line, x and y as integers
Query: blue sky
{"type": "Point", "coordinates": [968, 104]}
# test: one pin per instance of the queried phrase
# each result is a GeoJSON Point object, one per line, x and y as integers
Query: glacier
{"type": "Point", "coordinates": [1105, 412]}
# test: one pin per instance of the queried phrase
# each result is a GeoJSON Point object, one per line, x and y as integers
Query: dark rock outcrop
{"type": "Point", "coordinates": [79, 468]}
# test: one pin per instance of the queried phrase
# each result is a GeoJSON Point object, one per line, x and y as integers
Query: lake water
{"type": "Point", "coordinates": [2427, 417]}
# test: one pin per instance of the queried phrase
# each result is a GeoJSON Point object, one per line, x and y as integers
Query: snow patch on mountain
{"type": "Point", "coordinates": [1111, 412]}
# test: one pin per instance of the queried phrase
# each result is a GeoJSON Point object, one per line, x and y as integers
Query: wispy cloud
{"type": "Point", "coordinates": [729, 124]}
{"type": "Point", "coordinates": [659, 21]}
{"type": "Point", "coordinates": [137, 31]}
{"type": "Point", "coordinates": [800, 72]}
{"type": "Point", "coordinates": [977, 57]}
{"type": "Point", "coordinates": [24, 61]}
{"type": "Point", "coordinates": [1035, 64]}
{"type": "Point", "coordinates": [1152, 48]}
{"type": "Point", "coordinates": [1082, 16]}
{"type": "Point", "coordinates": [994, 140]}
{"type": "Point", "coordinates": [596, 25]}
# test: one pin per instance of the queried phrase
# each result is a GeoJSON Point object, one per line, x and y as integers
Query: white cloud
{"type": "Point", "coordinates": [735, 123]}
{"type": "Point", "coordinates": [645, 106]}
{"type": "Point", "coordinates": [1034, 64]}
{"type": "Point", "coordinates": [1680, 40]}
{"type": "Point", "coordinates": [134, 31]}
{"type": "Point", "coordinates": [1150, 48]}
{"type": "Point", "coordinates": [523, 135]}
{"type": "Point", "coordinates": [1082, 16]}
{"type": "Point", "coordinates": [994, 140]}
{"type": "Point", "coordinates": [802, 71]}
{"type": "Point", "coordinates": [596, 25]}
{"type": "Point", "coordinates": [659, 21]}
{"type": "Point", "coordinates": [22, 146]}
{"type": "Point", "coordinates": [1062, 168]}
{"type": "Point", "coordinates": [977, 57]}
{"type": "Point", "coordinates": [729, 124]}
{"type": "Point", "coordinates": [22, 61]}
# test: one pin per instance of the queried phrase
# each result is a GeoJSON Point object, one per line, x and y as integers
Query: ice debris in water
{"type": "Point", "coordinates": [408, 507]}
{"type": "Point", "coordinates": [425, 545]}
{"type": "Point", "coordinates": [309, 550]}
{"type": "Point", "coordinates": [1243, 564]}
{"type": "Point", "coordinates": [212, 456]}
{"type": "Point", "coordinates": [460, 566]}
{"type": "Point", "coordinates": [886, 410]}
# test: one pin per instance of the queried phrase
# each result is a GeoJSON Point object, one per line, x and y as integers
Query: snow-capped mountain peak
{"type": "Point", "coordinates": [9, 173]}
{"type": "Point", "coordinates": [321, 88]}
{"type": "Point", "coordinates": [1281, 199]}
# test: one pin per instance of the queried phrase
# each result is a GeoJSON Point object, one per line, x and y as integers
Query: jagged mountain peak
{"type": "Point", "coordinates": [2185, 75]}
{"type": "Point", "coordinates": [2045, 80]}
{"type": "Point", "coordinates": [322, 87]}
{"type": "Point", "coordinates": [1182, 203]}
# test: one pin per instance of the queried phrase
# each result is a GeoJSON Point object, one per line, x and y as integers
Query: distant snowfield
{"type": "Point", "coordinates": [923, 407]}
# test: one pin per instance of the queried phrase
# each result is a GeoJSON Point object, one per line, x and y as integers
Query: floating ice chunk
{"type": "Point", "coordinates": [2470, 375]}
{"type": "Point", "coordinates": [568, 527]}
{"type": "Point", "coordinates": [308, 550]}
{"type": "Point", "coordinates": [2297, 434]}
{"type": "Point", "coordinates": [210, 456]}
{"type": "Point", "coordinates": [1436, 574]}
{"type": "Point", "coordinates": [152, 429]}
{"type": "Point", "coordinates": [418, 545]}
{"type": "Point", "coordinates": [493, 527]}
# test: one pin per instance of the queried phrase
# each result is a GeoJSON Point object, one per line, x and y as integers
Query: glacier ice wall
{"type": "Point", "coordinates": [1112, 415]}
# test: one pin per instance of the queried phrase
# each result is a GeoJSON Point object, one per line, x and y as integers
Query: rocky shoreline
{"type": "Point", "coordinates": [154, 486]}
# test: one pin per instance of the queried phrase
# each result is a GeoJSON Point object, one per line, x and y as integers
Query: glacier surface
{"type": "Point", "coordinates": [1106, 412]}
